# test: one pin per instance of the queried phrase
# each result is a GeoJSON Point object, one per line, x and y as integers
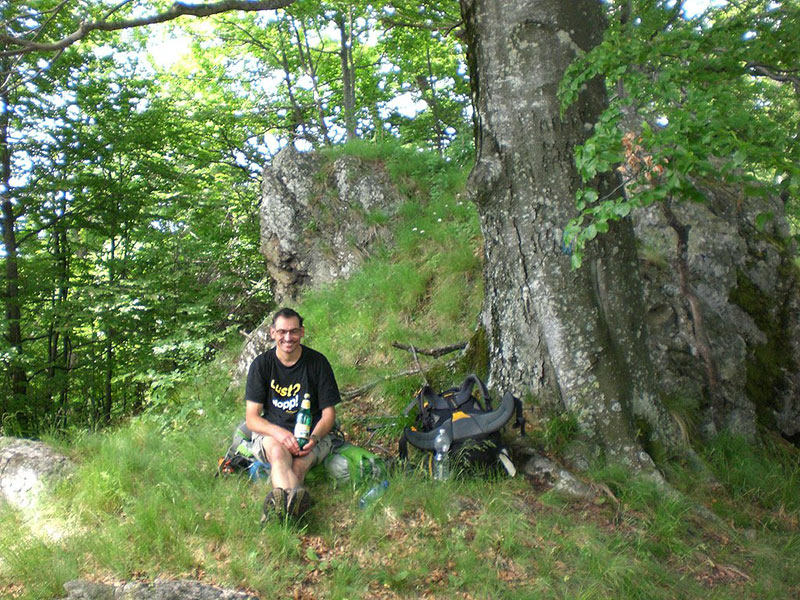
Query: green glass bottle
{"type": "Point", "coordinates": [302, 425]}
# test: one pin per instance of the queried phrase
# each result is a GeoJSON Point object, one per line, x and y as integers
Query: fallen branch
{"type": "Point", "coordinates": [434, 352]}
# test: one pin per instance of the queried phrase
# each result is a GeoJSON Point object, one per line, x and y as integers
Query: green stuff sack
{"type": "Point", "coordinates": [354, 464]}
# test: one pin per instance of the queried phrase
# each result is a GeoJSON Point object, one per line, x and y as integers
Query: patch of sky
{"type": "Point", "coordinates": [305, 82]}
{"type": "Point", "coordinates": [693, 8]}
{"type": "Point", "coordinates": [406, 104]}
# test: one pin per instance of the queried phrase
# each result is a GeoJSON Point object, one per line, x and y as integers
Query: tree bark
{"type": "Point", "coordinates": [11, 300]}
{"type": "Point", "coordinates": [344, 22]}
{"type": "Point", "coordinates": [573, 337]}
{"type": "Point", "coordinates": [310, 68]}
{"type": "Point", "coordinates": [428, 91]}
{"type": "Point", "coordinates": [14, 45]}
{"type": "Point", "coordinates": [298, 119]}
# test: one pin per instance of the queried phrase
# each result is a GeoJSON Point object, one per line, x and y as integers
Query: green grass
{"type": "Point", "coordinates": [426, 292]}
{"type": "Point", "coordinates": [144, 502]}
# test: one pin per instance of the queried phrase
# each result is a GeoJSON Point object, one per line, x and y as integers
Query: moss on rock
{"type": "Point", "coordinates": [768, 363]}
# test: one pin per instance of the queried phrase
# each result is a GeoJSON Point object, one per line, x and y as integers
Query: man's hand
{"type": "Point", "coordinates": [309, 446]}
{"type": "Point", "coordinates": [286, 439]}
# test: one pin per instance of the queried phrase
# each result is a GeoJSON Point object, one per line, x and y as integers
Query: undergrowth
{"type": "Point", "coordinates": [144, 501]}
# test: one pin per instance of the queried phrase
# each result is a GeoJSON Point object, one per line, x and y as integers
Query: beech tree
{"type": "Point", "coordinates": [573, 337]}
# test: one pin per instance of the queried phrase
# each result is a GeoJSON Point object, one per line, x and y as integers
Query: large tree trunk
{"type": "Point", "coordinates": [575, 337]}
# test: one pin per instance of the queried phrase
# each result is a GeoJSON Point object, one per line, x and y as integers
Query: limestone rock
{"type": "Point", "coordinates": [317, 220]}
{"type": "Point", "coordinates": [747, 285]}
{"type": "Point", "coordinates": [257, 342]}
{"type": "Point", "coordinates": [26, 469]}
{"type": "Point", "coordinates": [158, 590]}
{"type": "Point", "coordinates": [317, 226]}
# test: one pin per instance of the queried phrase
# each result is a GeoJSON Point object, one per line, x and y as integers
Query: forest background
{"type": "Point", "coordinates": [131, 182]}
{"type": "Point", "coordinates": [130, 170]}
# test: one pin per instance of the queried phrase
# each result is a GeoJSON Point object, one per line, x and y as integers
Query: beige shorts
{"type": "Point", "coordinates": [320, 450]}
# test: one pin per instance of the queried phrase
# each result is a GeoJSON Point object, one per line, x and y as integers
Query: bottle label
{"type": "Point", "coordinates": [302, 431]}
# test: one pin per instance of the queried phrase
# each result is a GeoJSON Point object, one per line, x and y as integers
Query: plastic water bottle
{"type": "Point", "coordinates": [259, 470]}
{"type": "Point", "coordinates": [375, 492]}
{"type": "Point", "coordinates": [441, 459]}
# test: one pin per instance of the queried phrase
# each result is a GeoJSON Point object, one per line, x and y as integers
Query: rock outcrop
{"type": "Point", "coordinates": [158, 590]}
{"type": "Point", "coordinates": [27, 468]}
{"type": "Point", "coordinates": [320, 220]}
{"type": "Point", "coordinates": [545, 473]}
{"type": "Point", "coordinates": [742, 272]}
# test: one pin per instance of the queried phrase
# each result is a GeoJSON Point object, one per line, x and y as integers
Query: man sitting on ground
{"type": "Point", "coordinates": [277, 381]}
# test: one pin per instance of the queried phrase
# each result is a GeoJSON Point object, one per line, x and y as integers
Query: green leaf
{"type": "Point", "coordinates": [623, 209]}
{"type": "Point", "coordinates": [401, 576]}
{"type": "Point", "coordinates": [762, 219]}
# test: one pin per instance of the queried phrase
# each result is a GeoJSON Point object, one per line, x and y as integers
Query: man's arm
{"type": "Point", "coordinates": [322, 428]}
{"type": "Point", "coordinates": [258, 424]}
{"type": "Point", "coordinates": [326, 422]}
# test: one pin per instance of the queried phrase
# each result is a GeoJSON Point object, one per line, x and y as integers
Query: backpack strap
{"type": "Point", "coordinates": [464, 393]}
{"type": "Point", "coordinates": [337, 436]}
{"type": "Point", "coordinates": [519, 423]}
{"type": "Point", "coordinates": [426, 401]}
{"type": "Point", "coordinates": [402, 446]}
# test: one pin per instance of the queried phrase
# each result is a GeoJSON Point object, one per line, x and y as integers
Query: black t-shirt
{"type": "Point", "coordinates": [281, 389]}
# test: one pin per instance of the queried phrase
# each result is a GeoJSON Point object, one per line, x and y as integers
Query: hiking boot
{"type": "Point", "coordinates": [274, 505]}
{"type": "Point", "coordinates": [299, 502]}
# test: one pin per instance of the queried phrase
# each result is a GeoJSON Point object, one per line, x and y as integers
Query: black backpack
{"type": "Point", "coordinates": [472, 423]}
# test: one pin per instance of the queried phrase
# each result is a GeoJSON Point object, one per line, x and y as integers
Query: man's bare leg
{"type": "Point", "coordinates": [281, 461]}
{"type": "Point", "coordinates": [286, 471]}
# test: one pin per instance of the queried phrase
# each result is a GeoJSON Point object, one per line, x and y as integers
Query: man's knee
{"type": "Point", "coordinates": [274, 452]}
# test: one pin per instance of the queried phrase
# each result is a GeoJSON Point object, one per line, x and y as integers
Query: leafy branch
{"type": "Point", "coordinates": [18, 45]}
{"type": "Point", "coordinates": [716, 97]}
